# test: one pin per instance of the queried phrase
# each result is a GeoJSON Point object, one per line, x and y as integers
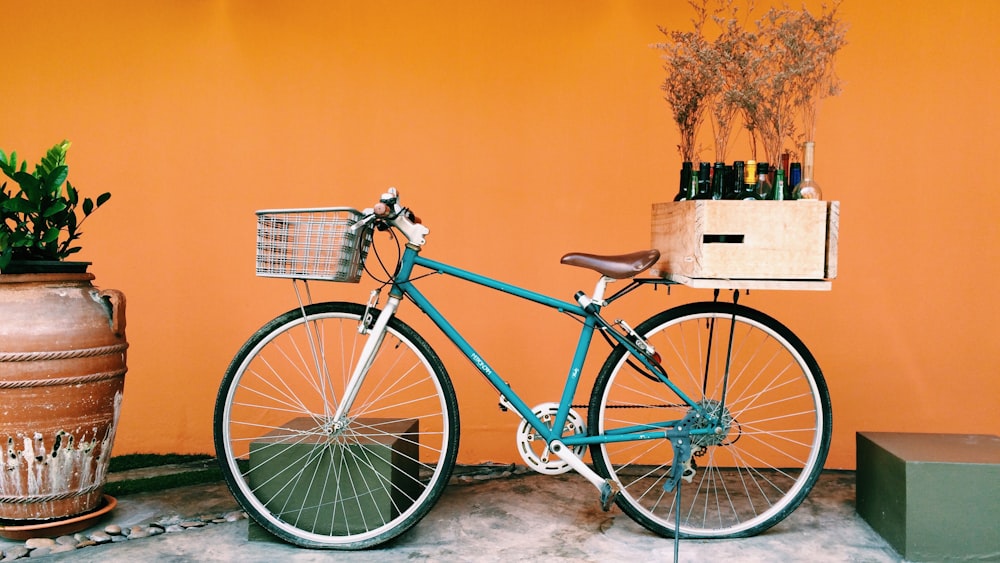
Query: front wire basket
{"type": "Point", "coordinates": [312, 244]}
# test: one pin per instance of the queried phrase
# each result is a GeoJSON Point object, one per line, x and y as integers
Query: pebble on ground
{"type": "Point", "coordinates": [36, 547]}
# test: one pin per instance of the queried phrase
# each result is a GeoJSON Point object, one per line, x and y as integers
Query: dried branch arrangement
{"type": "Point", "coordinates": [773, 76]}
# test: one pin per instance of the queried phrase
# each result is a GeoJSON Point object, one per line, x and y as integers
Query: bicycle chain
{"type": "Point", "coordinates": [661, 406]}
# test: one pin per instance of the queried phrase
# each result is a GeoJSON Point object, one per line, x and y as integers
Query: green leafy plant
{"type": "Point", "coordinates": [38, 216]}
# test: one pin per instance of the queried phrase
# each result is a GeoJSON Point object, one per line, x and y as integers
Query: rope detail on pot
{"type": "Point", "coordinates": [49, 498]}
{"type": "Point", "coordinates": [62, 380]}
{"type": "Point", "coordinates": [62, 354]}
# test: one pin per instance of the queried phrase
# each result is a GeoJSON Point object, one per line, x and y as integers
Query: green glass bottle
{"type": "Point", "coordinates": [718, 180]}
{"type": "Point", "coordinates": [735, 188]}
{"type": "Point", "coordinates": [704, 181]}
{"type": "Point", "coordinates": [687, 169]}
{"type": "Point", "coordinates": [779, 185]}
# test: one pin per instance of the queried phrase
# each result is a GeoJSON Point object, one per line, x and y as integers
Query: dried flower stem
{"type": "Point", "coordinates": [732, 51]}
{"type": "Point", "coordinates": [822, 37]}
{"type": "Point", "coordinates": [686, 58]}
{"type": "Point", "coordinates": [771, 76]}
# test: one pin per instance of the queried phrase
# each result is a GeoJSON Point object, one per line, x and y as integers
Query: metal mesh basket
{"type": "Point", "coordinates": [312, 244]}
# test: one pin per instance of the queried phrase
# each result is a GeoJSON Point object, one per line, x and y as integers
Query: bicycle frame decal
{"type": "Point", "coordinates": [481, 364]}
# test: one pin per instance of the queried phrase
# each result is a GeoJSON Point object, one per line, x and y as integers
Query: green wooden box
{"type": "Point", "coordinates": [385, 483]}
{"type": "Point", "coordinates": [933, 497]}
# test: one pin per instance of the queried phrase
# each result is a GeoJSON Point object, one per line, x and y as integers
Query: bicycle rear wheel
{"type": "Point", "coordinates": [316, 483]}
{"type": "Point", "coordinates": [775, 409]}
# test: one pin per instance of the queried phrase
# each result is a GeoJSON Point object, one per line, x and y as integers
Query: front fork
{"type": "Point", "coordinates": [375, 336]}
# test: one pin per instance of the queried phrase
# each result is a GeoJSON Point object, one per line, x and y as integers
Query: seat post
{"type": "Point", "coordinates": [599, 289]}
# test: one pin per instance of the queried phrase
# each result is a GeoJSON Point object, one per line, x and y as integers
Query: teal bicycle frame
{"type": "Point", "coordinates": [592, 320]}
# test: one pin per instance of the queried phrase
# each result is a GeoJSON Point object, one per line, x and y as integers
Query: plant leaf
{"type": "Point", "coordinates": [103, 198]}
{"type": "Point", "coordinates": [30, 185]}
{"type": "Point", "coordinates": [55, 178]}
{"type": "Point", "coordinates": [56, 207]}
{"type": "Point", "coordinates": [88, 207]}
{"type": "Point", "coordinates": [22, 239]}
{"type": "Point", "coordinates": [54, 157]}
{"type": "Point", "coordinates": [50, 235]}
{"type": "Point", "coordinates": [18, 205]}
{"type": "Point", "coordinates": [8, 166]}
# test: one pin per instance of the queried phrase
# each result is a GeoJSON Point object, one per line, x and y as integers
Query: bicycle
{"type": "Point", "coordinates": [337, 426]}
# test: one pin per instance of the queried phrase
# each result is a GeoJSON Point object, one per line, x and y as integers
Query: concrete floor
{"type": "Point", "coordinates": [520, 518]}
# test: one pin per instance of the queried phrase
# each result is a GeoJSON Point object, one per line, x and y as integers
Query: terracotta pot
{"type": "Point", "coordinates": [62, 374]}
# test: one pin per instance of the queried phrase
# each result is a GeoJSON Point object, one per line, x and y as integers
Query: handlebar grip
{"type": "Point", "coordinates": [381, 210]}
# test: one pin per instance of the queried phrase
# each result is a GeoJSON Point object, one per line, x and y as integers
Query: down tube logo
{"type": "Point", "coordinates": [481, 364]}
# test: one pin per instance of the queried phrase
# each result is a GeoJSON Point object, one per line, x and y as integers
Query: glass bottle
{"type": "Point", "coordinates": [750, 181]}
{"type": "Point", "coordinates": [807, 188]}
{"type": "Point", "coordinates": [783, 164]}
{"type": "Point", "coordinates": [793, 178]}
{"type": "Point", "coordinates": [718, 180]}
{"type": "Point", "coordinates": [704, 181]}
{"type": "Point", "coordinates": [692, 190]}
{"type": "Point", "coordinates": [763, 185]}
{"type": "Point", "coordinates": [779, 185]}
{"type": "Point", "coordinates": [685, 184]}
{"type": "Point", "coordinates": [735, 188]}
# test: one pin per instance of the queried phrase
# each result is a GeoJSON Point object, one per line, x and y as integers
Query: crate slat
{"type": "Point", "coordinates": [720, 283]}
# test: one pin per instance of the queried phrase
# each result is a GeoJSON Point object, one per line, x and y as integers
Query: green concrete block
{"type": "Point", "coordinates": [933, 497]}
{"type": "Point", "coordinates": [256, 532]}
{"type": "Point", "coordinates": [293, 473]}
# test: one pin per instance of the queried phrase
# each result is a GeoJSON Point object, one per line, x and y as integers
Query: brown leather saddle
{"type": "Point", "coordinates": [619, 266]}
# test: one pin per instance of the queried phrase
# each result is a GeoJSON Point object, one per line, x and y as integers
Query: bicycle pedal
{"type": "Point", "coordinates": [609, 491]}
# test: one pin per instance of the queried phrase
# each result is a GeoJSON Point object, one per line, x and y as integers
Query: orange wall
{"type": "Point", "coordinates": [518, 131]}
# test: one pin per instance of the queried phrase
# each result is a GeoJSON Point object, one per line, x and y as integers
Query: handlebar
{"type": "Point", "coordinates": [389, 212]}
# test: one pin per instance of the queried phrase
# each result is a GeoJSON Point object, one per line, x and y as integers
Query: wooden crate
{"type": "Point", "coordinates": [747, 244]}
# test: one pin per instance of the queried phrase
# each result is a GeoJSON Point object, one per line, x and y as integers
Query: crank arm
{"type": "Point", "coordinates": [608, 488]}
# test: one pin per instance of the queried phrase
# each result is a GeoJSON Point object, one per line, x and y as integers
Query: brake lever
{"type": "Point", "coordinates": [368, 218]}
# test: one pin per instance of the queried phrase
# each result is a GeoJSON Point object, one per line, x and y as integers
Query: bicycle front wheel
{"type": "Point", "coordinates": [774, 411]}
{"type": "Point", "coordinates": [321, 483]}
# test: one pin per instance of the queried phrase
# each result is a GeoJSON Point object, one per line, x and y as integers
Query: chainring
{"type": "Point", "coordinates": [532, 447]}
